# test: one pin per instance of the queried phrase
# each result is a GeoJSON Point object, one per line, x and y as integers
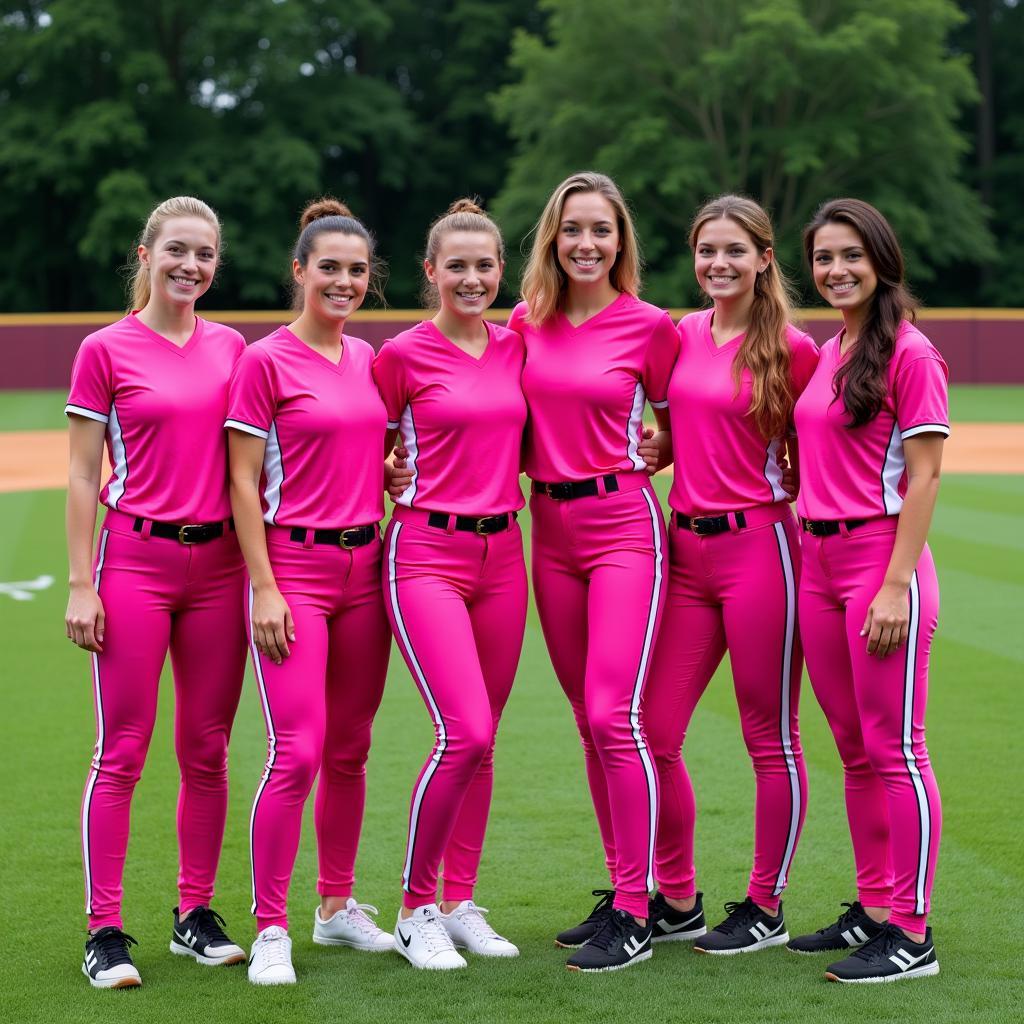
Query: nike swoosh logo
{"type": "Point", "coordinates": [405, 941]}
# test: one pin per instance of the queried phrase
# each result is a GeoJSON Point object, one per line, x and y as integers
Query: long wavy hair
{"type": "Point", "coordinates": [544, 281]}
{"type": "Point", "coordinates": [860, 382]}
{"type": "Point", "coordinates": [765, 349]}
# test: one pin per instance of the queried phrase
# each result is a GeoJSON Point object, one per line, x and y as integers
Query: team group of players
{"type": "Point", "coordinates": [245, 500]}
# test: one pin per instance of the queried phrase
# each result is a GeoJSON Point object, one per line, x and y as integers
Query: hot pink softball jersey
{"type": "Point", "coordinates": [724, 462]}
{"type": "Point", "coordinates": [446, 404]}
{"type": "Point", "coordinates": [861, 473]}
{"type": "Point", "coordinates": [586, 387]}
{"type": "Point", "coordinates": [164, 408]}
{"type": "Point", "coordinates": [324, 427]}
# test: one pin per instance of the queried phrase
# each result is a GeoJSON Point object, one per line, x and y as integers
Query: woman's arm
{"type": "Point", "coordinates": [888, 618]}
{"type": "Point", "coordinates": [656, 448]}
{"type": "Point", "coordinates": [272, 625]}
{"type": "Point", "coordinates": [85, 618]}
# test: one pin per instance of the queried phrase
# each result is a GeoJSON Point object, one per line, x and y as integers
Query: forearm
{"type": "Point", "coordinates": [252, 533]}
{"type": "Point", "coordinates": [912, 529]}
{"type": "Point", "coordinates": [80, 526]}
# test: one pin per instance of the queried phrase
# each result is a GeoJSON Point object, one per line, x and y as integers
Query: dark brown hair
{"type": "Point", "coordinates": [463, 215]}
{"type": "Point", "coordinates": [860, 380]}
{"type": "Point", "coordinates": [328, 214]}
{"type": "Point", "coordinates": [765, 348]}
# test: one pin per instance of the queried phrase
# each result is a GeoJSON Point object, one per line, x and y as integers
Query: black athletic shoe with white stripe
{"type": "Point", "coordinates": [671, 925]}
{"type": "Point", "coordinates": [573, 938]}
{"type": "Point", "coordinates": [107, 963]}
{"type": "Point", "coordinates": [201, 935]}
{"type": "Point", "coordinates": [619, 942]}
{"type": "Point", "coordinates": [852, 929]}
{"type": "Point", "coordinates": [889, 956]}
{"type": "Point", "coordinates": [746, 929]}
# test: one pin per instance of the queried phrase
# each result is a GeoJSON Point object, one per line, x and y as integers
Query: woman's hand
{"type": "Point", "coordinates": [272, 625]}
{"type": "Point", "coordinates": [888, 620]}
{"type": "Point", "coordinates": [649, 450]}
{"type": "Point", "coordinates": [401, 476]}
{"type": "Point", "coordinates": [85, 621]}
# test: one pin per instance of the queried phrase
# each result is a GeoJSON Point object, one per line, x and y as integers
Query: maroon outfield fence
{"type": "Point", "coordinates": [981, 346]}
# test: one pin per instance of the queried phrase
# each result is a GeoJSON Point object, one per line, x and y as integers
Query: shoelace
{"type": "Point", "coordinates": [473, 918]}
{"type": "Point", "coordinates": [274, 947]}
{"type": "Point", "coordinates": [883, 944]}
{"type": "Point", "coordinates": [206, 922]}
{"type": "Point", "coordinates": [607, 895]}
{"type": "Point", "coordinates": [432, 932]}
{"type": "Point", "coordinates": [846, 917]}
{"type": "Point", "coordinates": [359, 915]}
{"type": "Point", "coordinates": [739, 915]}
{"type": "Point", "coordinates": [611, 928]}
{"type": "Point", "coordinates": [112, 946]}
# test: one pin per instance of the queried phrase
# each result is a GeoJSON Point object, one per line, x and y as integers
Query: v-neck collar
{"type": "Point", "coordinates": [716, 350]}
{"type": "Point", "coordinates": [599, 315]}
{"type": "Point", "coordinates": [180, 350]}
{"type": "Point", "coordinates": [338, 367]}
{"type": "Point", "coordinates": [473, 360]}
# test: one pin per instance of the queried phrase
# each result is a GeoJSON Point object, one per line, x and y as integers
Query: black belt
{"type": "Point", "coordinates": [356, 537]}
{"type": "Point", "coordinates": [482, 525]}
{"type": "Point", "coordinates": [187, 533]}
{"type": "Point", "coordinates": [828, 527]}
{"type": "Point", "coordinates": [707, 526]}
{"type": "Point", "coordinates": [577, 488]}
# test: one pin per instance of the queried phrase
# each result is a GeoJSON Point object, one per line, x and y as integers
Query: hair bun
{"type": "Point", "coordinates": [327, 206]}
{"type": "Point", "coordinates": [466, 205]}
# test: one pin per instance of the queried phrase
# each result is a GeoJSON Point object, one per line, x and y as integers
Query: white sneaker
{"type": "Point", "coordinates": [271, 960]}
{"type": "Point", "coordinates": [469, 930]}
{"type": "Point", "coordinates": [423, 941]}
{"type": "Point", "coordinates": [352, 927]}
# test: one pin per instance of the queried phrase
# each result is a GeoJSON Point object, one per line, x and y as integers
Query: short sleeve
{"type": "Point", "coordinates": [92, 386]}
{"type": "Point", "coordinates": [662, 350]}
{"type": "Point", "coordinates": [803, 361]}
{"type": "Point", "coordinates": [921, 396]}
{"type": "Point", "coordinates": [389, 374]}
{"type": "Point", "coordinates": [252, 395]}
{"type": "Point", "coordinates": [517, 321]}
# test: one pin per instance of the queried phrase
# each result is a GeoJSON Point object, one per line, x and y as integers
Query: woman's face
{"type": "Point", "coordinates": [588, 241]}
{"type": "Point", "coordinates": [726, 260]}
{"type": "Point", "coordinates": [336, 275]}
{"type": "Point", "coordinates": [182, 260]}
{"type": "Point", "coordinates": [466, 272]}
{"type": "Point", "coordinates": [841, 268]}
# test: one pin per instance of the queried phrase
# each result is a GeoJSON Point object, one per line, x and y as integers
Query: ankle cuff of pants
{"type": "Point", "coordinates": [336, 891]}
{"type": "Point", "coordinates": [771, 902]}
{"type": "Point", "coordinates": [875, 897]}
{"type": "Point", "coordinates": [96, 923]}
{"type": "Point", "coordinates": [412, 900]}
{"type": "Point", "coordinates": [451, 893]}
{"type": "Point", "coordinates": [270, 922]}
{"type": "Point", "coordinates": [909, 922]}
{"type": "Point", "coordinates": [631, 903]}
{"type": "Point", "coordinates": [678, 892]}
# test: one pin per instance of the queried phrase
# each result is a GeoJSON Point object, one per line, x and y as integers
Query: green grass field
{"type": "Point", "coordinates": [543, 856]}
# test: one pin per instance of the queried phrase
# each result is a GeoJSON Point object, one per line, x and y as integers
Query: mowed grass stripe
{"type": "Point", "coordinates": [542, 857]}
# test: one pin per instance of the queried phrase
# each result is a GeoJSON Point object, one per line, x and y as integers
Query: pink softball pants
{"type": "Point", "coordinates": [876, 709]}
{"type": "Point", "coordinates": [457, 606]}
{"type": "Point", "coordinates": [319, 705]}
{"type": "Point", "coordinates": [159, 594]}
{"type": "Point", "coordinates": [735, 590]}
{"type": "Point", "coordinates": [599, 580]}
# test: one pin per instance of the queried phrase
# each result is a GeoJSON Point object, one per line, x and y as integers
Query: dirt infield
{"type": "Point", "coordinates": [36, 460]}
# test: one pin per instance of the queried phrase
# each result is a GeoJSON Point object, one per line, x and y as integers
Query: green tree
{"type": "Point", "coordinates": [790, 101]}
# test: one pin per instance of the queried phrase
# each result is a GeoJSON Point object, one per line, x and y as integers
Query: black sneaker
{"type": "Point", "coordinates": [746, 929]}
{"type": "Point", "coordinates": [201, 936]}
{"type": "Point", "coordinates": [852, 929]}
{"type": "Point", "coordinates": [619, 942]}
{"type": "Point", "coordinates": [889, 956]}
{"type": "Point", "coordinates": [671, 925]}
{"type": "Point", "coordinates": [107, 963]}
{"type": "Point", "coordinates": [573, 938]}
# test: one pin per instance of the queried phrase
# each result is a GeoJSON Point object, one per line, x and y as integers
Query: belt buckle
{"type": "Point", "coordinates": [343, 542]}
{"type": "Point", "coordinates": [183, 536]}
{"type": "Point", "coordinates": [695, 525]}
{"type": "Point", "coordinates": [482, 524]}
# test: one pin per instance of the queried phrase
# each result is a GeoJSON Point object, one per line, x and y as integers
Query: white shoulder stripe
{"type": "Point", "coordinates": [246, 428]}
{"type": "Point", "coordinates": [927, 428]}
{"type": "Point", "coordinates": [89, 414]}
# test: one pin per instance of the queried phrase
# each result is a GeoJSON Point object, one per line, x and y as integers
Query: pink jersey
{"type": "Point", "coordinates": [461, 418]}
{"type": "Point", "coordinates": [324, 427]}
{"type": "Point", "coordinates": [861, 473]}
{"type": "Point", "coordinates": [586, 387]}
{"type": "Point", "coordinates": [723, 463]}
{"type": "Point", "coordinates": [164, 409]}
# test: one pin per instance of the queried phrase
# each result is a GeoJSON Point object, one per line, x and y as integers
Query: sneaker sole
{"type": "Point", "coordinates": [116, 983]}
{"type": "Point", "coordinates": [429, 967]}
{"type": "Point", "coordinates": [824, 949]}
{"type": "Point", "coordinates": [569, 945]}
{"type": "Point", "coordinates": [490, 953]}
{"type": "Point", "coordinates": [273, 981]}
{"type": "Point", "coordinates": [775, 940]}
{"type": "Point", "coordinates": [617, 967]}
{"type": "Point", "coordinates": [321, 940]}
{"type": "Point", "coordinates": [208, 961]}
{"type": "Point", "coordinates": [689, 936]}
{"type": "Point", "coordinates": [914, 972]}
